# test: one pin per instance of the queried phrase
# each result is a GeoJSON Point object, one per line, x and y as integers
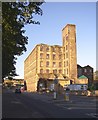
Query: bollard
{"type": "Point", "coordinates": [67, 96]}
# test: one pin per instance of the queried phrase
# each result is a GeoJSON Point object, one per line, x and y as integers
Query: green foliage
{"type": "Point", "coordinates": [96, 75]}
{"type": "Point", "coordinates": [14, 17]}
{"type": "Point", "coordinates": [92, 87]}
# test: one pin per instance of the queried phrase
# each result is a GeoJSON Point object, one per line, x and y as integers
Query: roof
{"type": "Point", "coordinates": [87, 66]}
{"type": "Point", "coordinates": [79, 66]}
{"type": "Point", "coordinates": [83, 77]}
{"type": "Point", "coordinates": [68, 25]}
{"type": "Point", "coordinates": [49, 45]}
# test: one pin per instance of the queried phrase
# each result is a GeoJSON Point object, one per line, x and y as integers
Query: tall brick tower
{"type": "Point", "coordinates": [69, 52]}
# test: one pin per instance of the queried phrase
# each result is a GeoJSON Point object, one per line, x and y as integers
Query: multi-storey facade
{"type": "Point", "coordinates": [45, 61]}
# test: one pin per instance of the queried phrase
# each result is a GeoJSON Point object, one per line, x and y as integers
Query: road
{"type": "Point", "coordinates": [35, 105]}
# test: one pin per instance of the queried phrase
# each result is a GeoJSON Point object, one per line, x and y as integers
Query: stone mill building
{"type": "Point", "coordinates": [45, 62]}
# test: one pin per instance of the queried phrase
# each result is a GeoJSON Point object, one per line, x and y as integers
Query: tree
{"type": "Point", "coordinates": [14, 16]}
{"type": "Point", "coordinates": [96, 75]}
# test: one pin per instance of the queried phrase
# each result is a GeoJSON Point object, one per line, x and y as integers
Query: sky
{"type": "Point", "coordinates": [55, 16]}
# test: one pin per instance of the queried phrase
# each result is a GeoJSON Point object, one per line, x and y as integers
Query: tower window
{"type": "Point", "coordinates": [67, 70]}
{"type": "Point", "coordinates": [66, 63]}
{"type": "Point", "coordinates": [66, 37]}
{"type": "Point", "coordinates": [68, 30]}
{"type": "Point", "coordinates": [64, 49]}
{"type": "Point", "coordinates": [64, 71]}
{"type": "Point", "coordinates": [63, 40]}
{"type": "Point", "coordinates": [66, 54]}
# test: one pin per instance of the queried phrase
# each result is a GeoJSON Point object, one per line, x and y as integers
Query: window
{"type": "Point", "coordinates": [60, 71]}
{"type": "Point", "coordinates": [60, 64]}
{"type": "Point", "coordinates": [41, 63]}
{"type": "Point", "coordinates": [54, 71]}
{"type": "Point", "coordinates": [66, 54]}
{"type": "Point", "coordinates": [41, 70]}
{"type": "Point", "coordinates": [54, 64]}
{"type": "Point", "coordinates": [47, 56]}
{"type": "Point", "coordinates": [80, 71]}
{"type": "Point", "coordinates": [64, 71]}
{"type": "Point", "coordinates": [85, 70]}
{"type": "Point", "coordinates": [53, 49]}
{"type": "Point", "coordinates": [47, 49]}
{"type": "Point", "coordinates": [68, 30]}
{"type": "Point", "coordinates": [59, 49]}
{"type": "Point", "coordinates": [66, 63]}
{"type": "Point", "coordinates": [90, 70]}
{"type": "Point", "coordinates": [63, 40]}
{"type": "Point", "coordinates": [67, 70]}
{"type": "Point", "coordinates": [54, 56]}
{"type": "Point", "coordinates": [41, 48]}
{"type": "Point", "coordinates": [66, 47]}
{"type": "Point", "coordinates": [66, 37]}
{"type": "Point", "coordinates": [41, 55]}
{"type": "Point", "coordinates": [47, 64]}
{"type": "Point", "coordinates": [47, 70]}
{"type": "Point", "coordinates": [60, 56]}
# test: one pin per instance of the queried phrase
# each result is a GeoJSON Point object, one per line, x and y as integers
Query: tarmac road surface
{"type": "Point", "coordinates": [35, 105]}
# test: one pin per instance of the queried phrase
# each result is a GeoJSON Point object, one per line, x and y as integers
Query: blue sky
{"type": "Point", "coordinates": [55, 16]}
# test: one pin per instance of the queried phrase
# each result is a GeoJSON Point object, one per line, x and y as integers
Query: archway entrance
{"type": "Point", "coordinates": [42, 84]}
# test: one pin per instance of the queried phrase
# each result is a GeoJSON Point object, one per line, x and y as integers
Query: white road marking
{"type": "Point", "coordinates": [94, 115]}
{"type": "Point", "coordinates": [79, 108]}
